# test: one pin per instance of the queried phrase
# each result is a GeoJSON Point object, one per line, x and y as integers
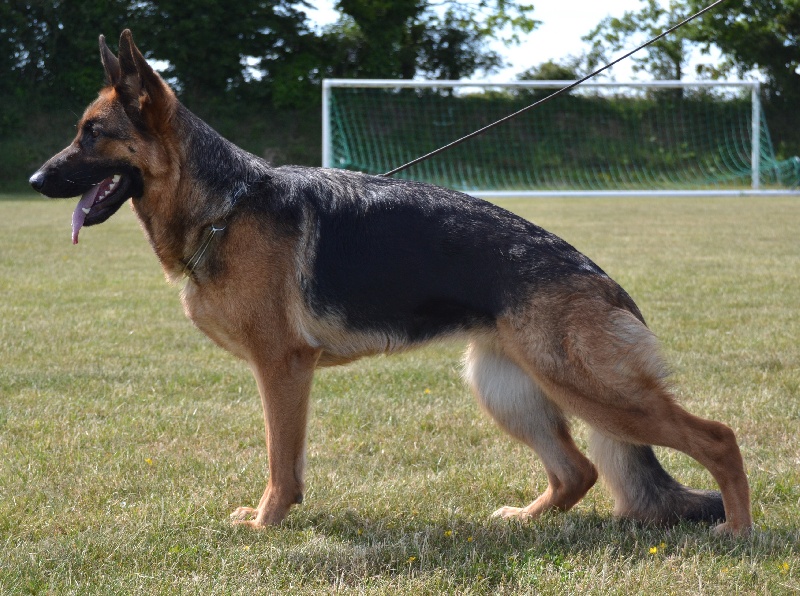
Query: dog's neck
{"type": "Point", "coordinates": [214, 174]}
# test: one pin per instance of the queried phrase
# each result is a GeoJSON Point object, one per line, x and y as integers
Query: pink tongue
{"type": "Point", "coordinates": [79, 216]}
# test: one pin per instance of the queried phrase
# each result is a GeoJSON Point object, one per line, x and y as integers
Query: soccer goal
{"type": "Point", "coordinates": [661, 137]}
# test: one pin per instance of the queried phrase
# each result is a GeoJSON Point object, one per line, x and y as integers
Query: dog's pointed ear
{"type": "Point", "coordinates": [144, 94]}
{"type": "Point", "coordinates": [110, 63]}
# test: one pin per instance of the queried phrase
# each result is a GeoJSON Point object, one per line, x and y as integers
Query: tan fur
{"type": "Point", "coordinates": [253, 321]}
{"type": "Point", "coordinates": [523, 410]}
{"type": "Point", "coordinates": [601, 364]}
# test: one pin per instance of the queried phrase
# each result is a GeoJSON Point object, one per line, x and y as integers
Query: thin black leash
{"type": "Point", "coordinates": [549, 97]}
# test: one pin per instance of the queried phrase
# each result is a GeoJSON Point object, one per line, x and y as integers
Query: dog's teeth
{"type": "Point", "coordinates": [115, 179]}
{"type": "Point", "coordinates": [85, 210]}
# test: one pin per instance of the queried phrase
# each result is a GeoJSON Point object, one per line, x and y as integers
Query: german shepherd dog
{"type": "Point", "coordinates": [294, 268]}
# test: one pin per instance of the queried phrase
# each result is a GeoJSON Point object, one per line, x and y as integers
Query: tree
{"type": "Point", "coordinates": [451, 48]}
{"type": "Point", "coordinates": [762, 35]}
{"type": "Point", "coordinates": [206, 42]}
{"type": "Point", "coordinates": [389, 31]}
{"type": "Point", "coordinates": [752, 35]}
{"type": "Point", "coordinates": [755, 34]}
{"type": "Point", "coordinates": [665, 59]}
{"type": "Point", "coordinates": [50, 48]}
{"type": "Point", "coordinates": [404, 38]}
{"type": "Point", "coordinates": [566, 70]}
{"type": "Point", "coordinates": [261, 49]}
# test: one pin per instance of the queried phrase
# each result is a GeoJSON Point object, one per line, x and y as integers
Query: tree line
{"type": "Point", "coordinates": [250, 49]}
{"type": "Point", "coordinates": [270, 54]}
{"type": "Point", "coordinates": [272, 49]}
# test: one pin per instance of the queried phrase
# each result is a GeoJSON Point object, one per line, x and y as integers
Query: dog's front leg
{"type": "Point", "coordinates": [284, 384]}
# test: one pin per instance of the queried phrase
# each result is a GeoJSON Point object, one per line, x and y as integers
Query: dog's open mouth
{"type": "Point", "coordinates": [99, 203]}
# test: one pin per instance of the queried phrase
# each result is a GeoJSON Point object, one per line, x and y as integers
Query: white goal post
{"type": "Point", "coordinates": [621, 137]}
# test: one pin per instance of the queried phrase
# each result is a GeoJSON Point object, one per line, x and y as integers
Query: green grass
{"type": "Point", "coordinates": [126, 437]}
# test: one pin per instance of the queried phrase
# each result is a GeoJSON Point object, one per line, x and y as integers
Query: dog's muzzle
{"type": "Point", "coordinates": [61, 176]}
{"type": "Point", "coordinates": [50, 183]}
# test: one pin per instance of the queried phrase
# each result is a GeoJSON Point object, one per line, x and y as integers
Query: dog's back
{"type": "Point", "coordinates": [414, 258]}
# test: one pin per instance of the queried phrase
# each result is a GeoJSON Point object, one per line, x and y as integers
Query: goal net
{"type": "Point", "coordinates": [658, 137]}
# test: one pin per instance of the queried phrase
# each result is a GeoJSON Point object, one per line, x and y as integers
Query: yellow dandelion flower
{"type": "Point", "coordinates": [148, 461]}
{"type": "Point", "coordinates": [653, 550]}
{"type": "Point", "coordinates": [426, 391]}
{"type": "Point", "coordinates": [663, 545]}
{"type": "Point", "coordinates": [469, 539]}
{"type": "Point", "coordinates": [448, 533]}
{"type": "Point", "coordinates": [784, 567]}
{"type": "Point", "coordinates": [411, 560]}
{"type": "Point", "coordinates": [246, 547]}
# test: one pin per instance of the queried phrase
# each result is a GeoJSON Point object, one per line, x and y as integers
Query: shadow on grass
{"type": "Point", "coordinates": [355, 546]}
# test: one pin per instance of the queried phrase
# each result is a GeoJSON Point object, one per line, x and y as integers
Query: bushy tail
{"type": "Point", "coordinates": [643, 490]}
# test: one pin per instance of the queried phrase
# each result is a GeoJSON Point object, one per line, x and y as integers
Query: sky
{"type": "Point", "coordinates": [564, 22]}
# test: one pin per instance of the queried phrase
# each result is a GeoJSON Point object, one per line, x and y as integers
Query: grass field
{"type": "Point", "coordinates": [126, 437]}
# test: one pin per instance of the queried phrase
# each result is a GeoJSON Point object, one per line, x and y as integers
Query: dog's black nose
{"type": "Point", "coordinates": [37, 181]}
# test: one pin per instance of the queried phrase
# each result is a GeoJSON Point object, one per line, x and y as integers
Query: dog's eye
{"type": "Point", "coordinates": [90, 129]}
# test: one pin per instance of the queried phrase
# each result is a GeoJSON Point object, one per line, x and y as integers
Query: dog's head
{"type": "Point", "coordinates": [119, 140]}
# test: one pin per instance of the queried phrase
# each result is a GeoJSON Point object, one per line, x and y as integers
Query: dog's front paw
{"type": "Point", "coordinates": [510, 513]}
{"type": "Point", "coordinates": [727, 529]}
{"type": "Point", "coordinates": [255, 518]}
{"type": "Point", "coordinates": [242, 515]}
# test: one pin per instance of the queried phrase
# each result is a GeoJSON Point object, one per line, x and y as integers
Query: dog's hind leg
{"type": "Point", "coordinates": [643, 490]}
{"type": "Point", "coordinates": [284, 384]}
{"type": "Point", "coordinates": [520, 407]}
{"type": "Point", "coordinates": [602, 364]}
